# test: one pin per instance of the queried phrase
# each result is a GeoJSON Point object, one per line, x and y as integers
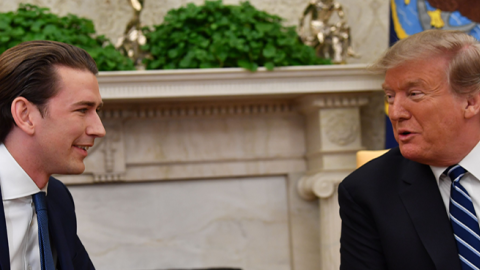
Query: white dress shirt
{"type": "Point", "coordinates": [470, 181]}
{"type": "Point", "coordinates": [22, 229]}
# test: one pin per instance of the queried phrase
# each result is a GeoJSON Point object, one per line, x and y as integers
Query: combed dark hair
{"type": "Point", "coordinates": [29, 70]}
{"type": "Point", "coordinates": [462, 51]}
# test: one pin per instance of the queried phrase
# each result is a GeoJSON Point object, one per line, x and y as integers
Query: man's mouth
{"type": "Point", "coordinates": [405, 133]}
{"type": "Point", "coordinates": [83, 147]}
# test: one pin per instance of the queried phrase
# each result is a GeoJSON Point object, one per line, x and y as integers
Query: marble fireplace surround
{"type": "Point", "coordinates": [302, 123]}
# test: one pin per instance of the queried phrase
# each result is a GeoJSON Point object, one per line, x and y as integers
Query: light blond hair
{"type": "Point", "coordinates": [461, 49]}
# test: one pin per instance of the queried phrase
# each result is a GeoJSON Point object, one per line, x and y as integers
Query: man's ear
{"type": "Point", "coordinates": [472, 107]}
{"type": "Point", "coordinates": [23, 112]}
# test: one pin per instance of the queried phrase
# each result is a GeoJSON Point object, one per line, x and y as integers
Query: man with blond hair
{"type": "Point", "coordinates": [416, 207]}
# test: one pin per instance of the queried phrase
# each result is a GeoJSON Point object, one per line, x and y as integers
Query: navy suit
{"type": "Point", "coordinates": [393, 217]}
{"type": "Point", "coordinates": [62, 225]}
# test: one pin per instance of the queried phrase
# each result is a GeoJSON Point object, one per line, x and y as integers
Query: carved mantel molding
{"type": "Point", "coordinates": [312, 103]}
{"type": "Point", "coordinates": [320, 185]}
{"type": "Point", "coordinates": [333, 136]}
{"type": "Point", "coordinates": [198, 109]}
{"type": "Point", "coordinates": [198, 84]}
{"type": "Point", "coordinates": [333, 129]}
{"type": "Point", "coordinates": [256, 110]}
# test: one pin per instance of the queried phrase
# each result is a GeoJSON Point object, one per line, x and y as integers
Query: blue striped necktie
{"type": "Point", "coordinates": [46, 258]}
{"type": "Point", "coordinates": [464, 221]}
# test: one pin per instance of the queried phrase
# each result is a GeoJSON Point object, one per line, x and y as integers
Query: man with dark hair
{"type": "Point", "coordinates": [417, 206]}
{"type": "Point", "coordinates": [49, 98]}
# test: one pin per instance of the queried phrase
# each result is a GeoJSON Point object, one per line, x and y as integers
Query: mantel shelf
{"type": "Point", "coordinates": [236, 82]}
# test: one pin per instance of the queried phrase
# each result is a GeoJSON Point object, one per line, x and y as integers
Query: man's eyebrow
{"type": "Point", "coordinates": [405, 85]}
{"type": "Point", "coordinates": [413, 83]}
{"type": "Point", "coordinates": [89, 104]}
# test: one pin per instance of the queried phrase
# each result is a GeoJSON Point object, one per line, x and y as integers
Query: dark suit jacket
{"type": "Point", "coordinates": [62, 224]}
{"type": "Point", "coordinates": [393, 217]}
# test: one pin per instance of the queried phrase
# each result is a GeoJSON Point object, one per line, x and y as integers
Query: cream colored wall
{"type": "Point", "coordinates": [368, 18]}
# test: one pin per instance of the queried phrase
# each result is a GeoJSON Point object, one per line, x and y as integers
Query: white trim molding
{"type": "Point", "coordinates": [236, 82]}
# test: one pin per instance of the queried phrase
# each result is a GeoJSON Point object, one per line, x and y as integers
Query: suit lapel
{"type": "Point", "coordinates": [4, 251]}
{"type": "Point", "coordinates": [422, 199]}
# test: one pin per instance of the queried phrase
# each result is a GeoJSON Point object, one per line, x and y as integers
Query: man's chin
{"type": "Point", "coordinates": [411, 153]}
{"type": "Point", "coordinates": [73, 170]}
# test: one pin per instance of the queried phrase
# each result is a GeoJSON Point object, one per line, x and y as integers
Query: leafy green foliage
{"type": "Point", "coordinates": [217, 35]}
{"type": "Point", "coordinates": [30, 22]}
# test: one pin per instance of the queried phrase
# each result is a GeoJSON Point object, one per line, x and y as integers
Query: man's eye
{"type": "Point", "coordinates": [82, 110]}
{"type": "Point", "coordinates": [389, 98]}
{"type": "Point", "coordinates": [415, 94]}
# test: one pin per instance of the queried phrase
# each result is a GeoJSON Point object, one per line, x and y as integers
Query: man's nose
{"type": "Point", "coordinates": [397, 110]}
{"type": "Point", "coordinates": [95, 127]}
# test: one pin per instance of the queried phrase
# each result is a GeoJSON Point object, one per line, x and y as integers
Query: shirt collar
{"type": "Point", "coordinates": [469, 163]}
{"type": "Point", "coordinates": [14, 181]}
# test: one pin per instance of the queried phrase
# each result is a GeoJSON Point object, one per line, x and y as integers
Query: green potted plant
{"type": "Point", "coordinates": [30, 22]}
{"type": "Point", "coordinates": [217, 35]}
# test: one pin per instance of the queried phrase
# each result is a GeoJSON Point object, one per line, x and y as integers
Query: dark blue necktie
{"type": "Point", "coordinates": [464, 221]}
{"type": "Point", "coordinates": [46, 257]}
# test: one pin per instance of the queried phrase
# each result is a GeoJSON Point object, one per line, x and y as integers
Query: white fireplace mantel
{"type": "Point", "coordinates": [139, 103]}
{"type": "Point", "coordinates": [301, 123]}
{"type": "Point", "coordinates": [289, 82]}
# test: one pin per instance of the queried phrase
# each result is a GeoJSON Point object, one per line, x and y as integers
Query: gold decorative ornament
{"type": "Point", "coordinates": [330, 40]}
{"type": "Point", "coordinates": [133, 38]}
